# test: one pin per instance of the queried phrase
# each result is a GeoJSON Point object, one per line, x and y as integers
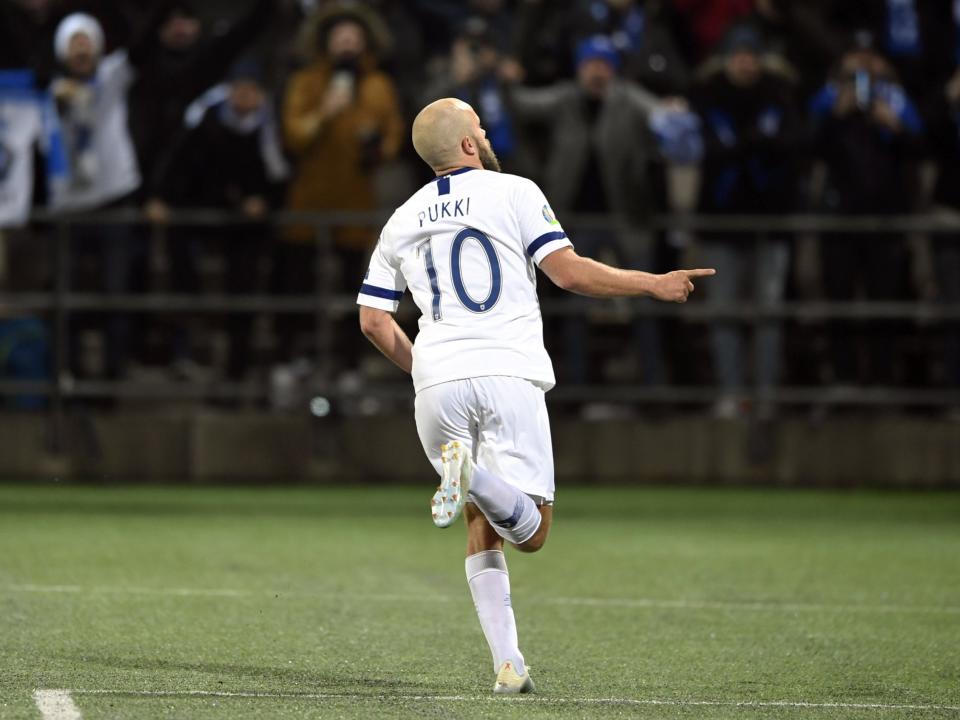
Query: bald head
{"type": "Point", "coordinates": [439, 132]}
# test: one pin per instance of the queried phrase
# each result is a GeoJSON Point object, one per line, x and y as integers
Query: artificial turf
{"type": "Point", "coordinates": [347, 602]}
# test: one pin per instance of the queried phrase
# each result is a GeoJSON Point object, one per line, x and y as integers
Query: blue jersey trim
{"type": "Point", "coordinates": [443, 181]}
{"type": "Point", "coordinates": [380, 292]}
{"type": "Point", "coordinates": [543, 240]}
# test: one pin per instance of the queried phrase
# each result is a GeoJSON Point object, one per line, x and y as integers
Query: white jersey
{"type": "Point", "coordinates": [465, 244]}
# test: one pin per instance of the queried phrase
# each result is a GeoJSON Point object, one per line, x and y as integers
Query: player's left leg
{"type": "Point", "coordinates": [481, 536]}
{"type": "Point", "coordinates": [539, 538]}
{"type": "Point", "coordinates": [510, 475]}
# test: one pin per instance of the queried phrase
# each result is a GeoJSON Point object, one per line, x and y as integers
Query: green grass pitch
{"type": "Point", "coordinates": [326, 603]}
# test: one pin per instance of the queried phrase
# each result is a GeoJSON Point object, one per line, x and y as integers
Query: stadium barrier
{"type": "Point", "coordinates": [325, 305]}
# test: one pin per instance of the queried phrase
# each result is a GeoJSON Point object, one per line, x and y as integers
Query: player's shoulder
{"type": "Point", "coordinates": [427, 190]}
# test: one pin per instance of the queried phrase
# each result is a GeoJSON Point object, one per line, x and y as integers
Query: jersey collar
{"type": "Point", "coordinates": [458, 171]}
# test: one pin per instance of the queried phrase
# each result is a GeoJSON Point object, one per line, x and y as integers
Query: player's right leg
{"type": "Point", "coordinates": [446, 414]}
{"type": "Point", "coordinates": [489, 581]}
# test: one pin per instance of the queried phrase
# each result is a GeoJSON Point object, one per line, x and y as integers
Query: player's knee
{"type": "Point", "coordinates": [533, 544]}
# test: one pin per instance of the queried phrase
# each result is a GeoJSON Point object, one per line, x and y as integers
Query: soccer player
{"type": "Point", "coordinates": [465, 245]}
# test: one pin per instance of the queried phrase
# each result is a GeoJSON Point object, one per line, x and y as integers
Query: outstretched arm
{"type": "Point", "coordinates": [584, 276]}
{"type": "Point", "coordinates": [388, 337]}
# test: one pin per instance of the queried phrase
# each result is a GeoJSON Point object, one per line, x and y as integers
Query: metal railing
{"type": "Point", "coordinates": [325, 306]}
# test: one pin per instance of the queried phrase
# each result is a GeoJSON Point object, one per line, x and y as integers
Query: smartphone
{"type": "Point", "coordinates": [862, 89]}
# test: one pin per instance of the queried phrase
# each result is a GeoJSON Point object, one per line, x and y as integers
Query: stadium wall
{"type": "Point", "coordinates": [881, 451]}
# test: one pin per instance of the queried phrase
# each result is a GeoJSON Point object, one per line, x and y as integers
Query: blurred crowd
{"type": "Point", "coordinates": [620, 109]}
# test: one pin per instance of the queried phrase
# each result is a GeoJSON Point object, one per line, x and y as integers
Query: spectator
{"type": "Point", "coordinates": [405, 62]}
{"type": "Point", "coordinates": [229, 158]}
{"type": "Point", "coordinates": [752, 132]}
{"type": "Point", "coordinates": [597, 158]}
{"type": "Point", "coordinates": [182, 59]}
{"type": "Point", "coordinates": [341, 119]}
{"type": "Point", "coordinates": [868, 134]}
{"type": "Point", "coordinates": [473, 74]}
{"type": "Point", "coordinates": [91, 97]}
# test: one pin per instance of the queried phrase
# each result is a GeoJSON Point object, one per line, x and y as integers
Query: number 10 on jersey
{"type": "Point", "coordinates": [456, 276]}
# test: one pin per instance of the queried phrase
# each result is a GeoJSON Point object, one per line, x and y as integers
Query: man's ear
{"type": "Point", "coordinates": [467, 146]}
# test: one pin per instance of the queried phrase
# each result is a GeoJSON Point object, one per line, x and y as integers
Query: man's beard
{"type": "Point", "coordinates": [487, 158]}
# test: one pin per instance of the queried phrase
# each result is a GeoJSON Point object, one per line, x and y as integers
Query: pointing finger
{"type": "Point", "coordinates": [702, 272]}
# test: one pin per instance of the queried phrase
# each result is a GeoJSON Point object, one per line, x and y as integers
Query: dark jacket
{"type": "Point", "coordinates": [870, 168]}
{"type": "Point", "coordinates": [212, 165]}
{"type": "Point", "coordinates": [168, 81]}
{"type": "Point", "coordinates": [751, 143]}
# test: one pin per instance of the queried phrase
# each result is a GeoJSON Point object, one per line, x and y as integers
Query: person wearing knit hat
{"type": "Point", "coordinates": [751, 135]}
{"type": "Point", "coordinates": [90, 94]}
{"type": "Point", "coordinates": [598, 47]}
{"type": "Point", "coordinates": [78, 44]}
{"type": "Point", "coordinates": [100, 170]}
{"type": "Point", "coordinates": [598, 151]}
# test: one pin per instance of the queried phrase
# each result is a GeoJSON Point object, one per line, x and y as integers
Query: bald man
{"type": "Point", "coordinates": [466, 245]}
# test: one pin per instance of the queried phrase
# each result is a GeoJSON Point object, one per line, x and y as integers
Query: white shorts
{"type": "Point", "coordinates": [503, 420]}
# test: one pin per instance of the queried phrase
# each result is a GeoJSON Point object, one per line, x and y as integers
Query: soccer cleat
{"type": "Point", "coordinates": [448, 500]}
{"type": "Point", "coordinates": [509, 682]}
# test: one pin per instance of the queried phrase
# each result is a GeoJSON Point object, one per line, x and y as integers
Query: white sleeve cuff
{"type": "Point", "coordinates": [547, 243]}
{"type": "Point", "coordinates": [380, 298]}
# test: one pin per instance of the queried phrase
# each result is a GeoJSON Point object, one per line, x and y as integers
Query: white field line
{"type": "Point", "coordinates": [762, 606]}
{"type": "Point", "coordinates": [56, 705]}
{"type": "Point", "coordinates": [639, 603]}
{"type": "Point", "coordinates": [536, 699]}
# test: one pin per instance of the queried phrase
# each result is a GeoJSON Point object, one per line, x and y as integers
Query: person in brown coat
{"type": "Point", "coordinates": [341, 118]}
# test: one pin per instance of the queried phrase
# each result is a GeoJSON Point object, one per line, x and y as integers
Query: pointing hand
{"type": "Point", "coordinates": [676, 286]}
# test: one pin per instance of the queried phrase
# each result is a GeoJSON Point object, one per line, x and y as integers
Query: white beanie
{"type": "Point", "coordinates": [73, 24]}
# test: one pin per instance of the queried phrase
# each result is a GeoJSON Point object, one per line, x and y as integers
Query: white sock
{"type": "Point", "coordinates": [490, 588]}
{"type": "Point", "coordinates": [512, 513]}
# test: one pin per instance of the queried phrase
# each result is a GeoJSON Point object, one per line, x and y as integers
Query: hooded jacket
{"type": "Point", "coordinates": [335, 159]}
